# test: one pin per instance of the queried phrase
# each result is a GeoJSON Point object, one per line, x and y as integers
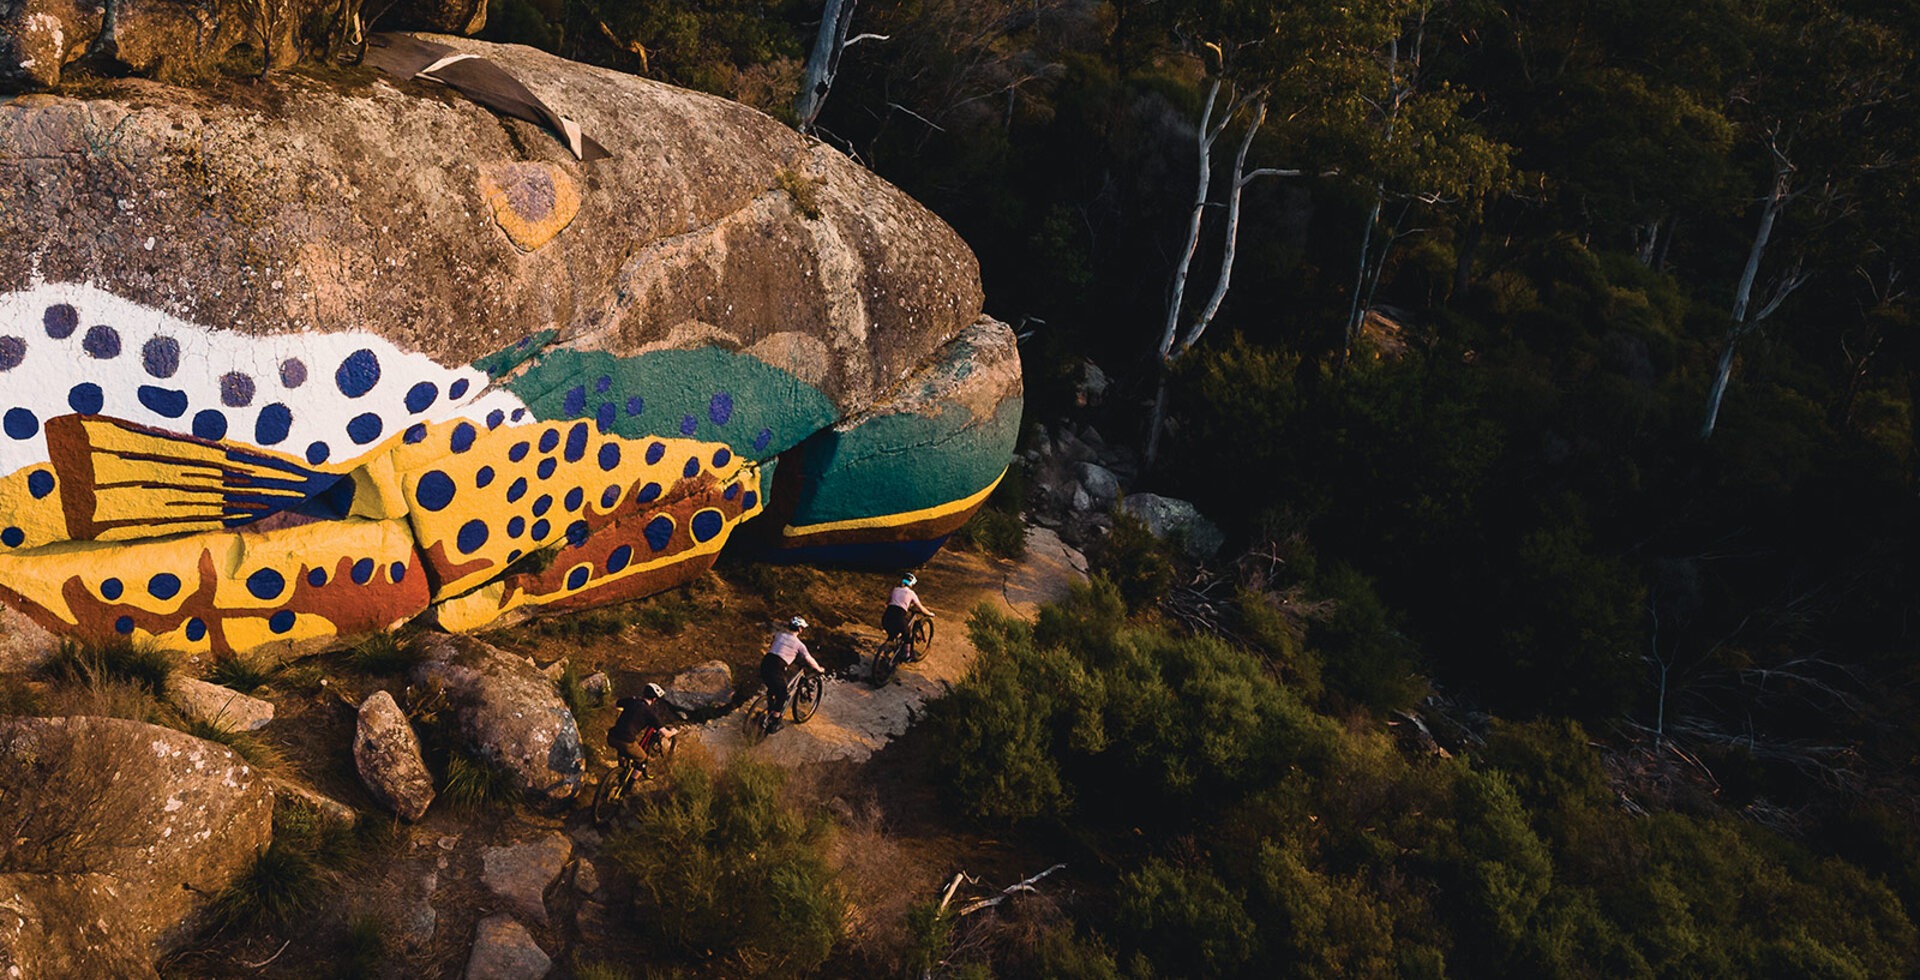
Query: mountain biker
{"type": "Point", "coordinates": [641, 724]}
{"type": "Point", "coordinates": [781, 654]}
{"type": "Point", "coordinates": [900, 603]}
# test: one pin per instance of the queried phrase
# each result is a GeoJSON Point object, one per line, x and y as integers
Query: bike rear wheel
{"type": "Point", "coordinates": [806, 697]}
{"type": "Point", "coordinates": [921, 640]}
{"type": "Point", "coordinates": [884, 660]}
{"type": "Point", "coordinates": [607, 797]}
{"type": "Point", "coordinates": [753, 718]}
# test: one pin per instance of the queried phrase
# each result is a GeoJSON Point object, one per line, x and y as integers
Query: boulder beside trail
{"type": "Point", "coordinates": [520, 874]}
{"type": "Point", "coordinates": [121, 833]}
{"type": "Point", "coordinates": [1167, 516]}
{"type": "Point", "coordinates": [507, 712]}
{"type": "Point", "coordinates": [702, 686]}
{"type": "Point", "coordinates": [387, 754]}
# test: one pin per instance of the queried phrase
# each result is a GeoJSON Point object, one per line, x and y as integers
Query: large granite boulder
{"type": "Point", "coordinates": [520, 874]}
{"type": "Point", "coordinates": [119, 833]}
{"type": "Point", "coordinates": [221, 707]}
{"type": "Point", "coordinates": [317, 356]}
{"type": "Point", "coordinates": [507, 712]}
{"type": "Point", "coordinates": [387, 754]}
{"type": "Point", "coordinates": [503, 949]}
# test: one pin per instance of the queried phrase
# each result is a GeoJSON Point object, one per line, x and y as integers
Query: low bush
{"type": "Point", "coordinates": [245, 673]}
{"type": "Point", "coordinates": [1137, 562]}
{"type": "Point", "coordinates": [382, 654]}
{"type": "Point", "coordinates": [473, 783]}
{"type": "Point", "coordinates": [993, 532]}
{"type": "Point", "coordinates": [726, 867]}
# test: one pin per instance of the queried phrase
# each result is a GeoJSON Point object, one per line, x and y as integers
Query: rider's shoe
{"type": "Point", "coordinates": [773, 725]}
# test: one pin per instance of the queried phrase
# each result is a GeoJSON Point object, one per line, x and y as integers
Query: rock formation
{"type": "Point", "coordinates": [507, 712]}
{"type": "Point", "coordinates": [281, 372]}
{"type": "Point", "coordinates": [118, 833]}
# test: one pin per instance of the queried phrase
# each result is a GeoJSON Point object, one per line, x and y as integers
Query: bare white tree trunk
{"type": "Point", "coordinates": [1778, 195]}
{"type": "Point", "coordinates": [823, 63]}
{"type": "Point", "coordinates": [1357, 312]}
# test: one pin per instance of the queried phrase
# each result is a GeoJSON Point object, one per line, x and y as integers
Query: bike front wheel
{"type": "Point", "coordinates": [806, 697]}
{"type": "Point", "coordinates": [922, 639]}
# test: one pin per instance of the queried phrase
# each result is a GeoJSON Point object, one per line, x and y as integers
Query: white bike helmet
{"type": "Point", "coordinates": [797, 623]}
{"type": "Point", "coordinates": [909, 580]}
{"type": "Point", "coordinates": [656, 691]}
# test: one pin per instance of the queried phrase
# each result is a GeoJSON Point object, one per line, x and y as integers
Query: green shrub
{"type": "Point", "coordinates": [1136, 561]}
{"type": "Point", "coordinates": [723, 864]}
{"type": "Point", "coordinates": [292, 876]}
{"type": "Point", "coordinates": [993, 532]}
{"type": "Point", "coordinates": [1185, 917]}
{"type": "Point", "coordinates": [250, 746]}
{"type": "Point", "coordinates": [1367, 659]}
{"type": "Point", "coordinates": [365, 947]}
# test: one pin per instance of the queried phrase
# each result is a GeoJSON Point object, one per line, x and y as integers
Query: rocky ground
{"type": "Point", "coordinates": [513, 890]}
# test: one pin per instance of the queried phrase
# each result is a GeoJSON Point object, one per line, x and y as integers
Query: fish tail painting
{"type": "Point", "coordinates": [205, 490]}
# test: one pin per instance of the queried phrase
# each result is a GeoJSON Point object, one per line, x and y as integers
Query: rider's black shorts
{"type": "Point", "coordinates": [894, 621]}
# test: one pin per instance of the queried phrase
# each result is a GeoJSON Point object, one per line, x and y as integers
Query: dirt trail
{"type": "Point", "coordinates": [855, 719]}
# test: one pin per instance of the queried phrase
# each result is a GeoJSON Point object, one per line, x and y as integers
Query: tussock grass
{"type": "Point", "coordinates": [245, 673]}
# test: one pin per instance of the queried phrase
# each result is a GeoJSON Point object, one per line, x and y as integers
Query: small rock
{"type": "Point", "coordinates": [1071, 448]}
{"type": "Point", "coordinates": [223, 707]}
{"type": "Point", "coordinates": [520, 874]}
{"type": "Point", "coordinates": [555, 670]}
{"type": "Point", "coordinates": [387, 754]}
{"type": "Point", "coordinates": [1082, 501]}
{"type": "Point", "coordinates": [586, 837]}
{"type": "Point", "coordinates": [597, 686]}
{"type": "Point", "coordinates": [504, 950]}
{"type": "Point", "coordinates": [1092, 437]}
{"type": "Point", "coordinates": [586, 878]}
{"type": "Point", "coordinates": [507, 711]}
{"type": "Point", "coordinates": [1093, 384]}
{"type": "Point", "coordinates": [417, 931]}
{"type": "Point", "coordinates": [704, 686]}
{"type": "Point", "coordinates": [1101, 483]}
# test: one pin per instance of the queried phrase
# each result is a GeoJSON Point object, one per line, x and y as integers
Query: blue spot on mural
{"type": "Point", "coordinates": [604, 416]}
{"type": "Point", "coordinates": [517, 490]}
{"type": "Point", "coordinates": [293, 374]}
{"type": "Point", "coordinates": [435, 490]}
{"type": "Point", "coordinates": [101, 342]}
{"type": "Point", "coordinates": [416, 434]}
{"type": "Point", "coordinates": [281, 621]}
{"type": "Point", "coordinates": [609, 456]}
{"type": "Point", "coordinates": [365, 428]}
{"type": "Point", "coordinates": [495, 418]}
{"type": "Point", "coordinates": [458, 389]}
{"type": "Point", "coordinates": [692, 469]}
{"type": "Point", "coordinates": [655, 451]}
{"type": "Point", "coordinates": [609, 497]}
{"type": "Point", "coordinates": [210, 424]}
{"type": "Point", "coordinates": [317, 453]}
{"type": "Point", "coordinates": [266, 584]}
{"type": "Point", "coordinates": [60, 320]}
{"type": "Point", "coordinates": [575, 401]}
{"type": "Point", "coordinates": [574, 498]}
{"type": "Point", "coordinates": [86, 398]}
{"type": "Point", "coordinates": [39, 483]}
{"type": "Point", "coordinates": [163, 401]}
{"type": "Point", "coordinates": [688, 425]}
{"type": "Point", "coordinates": [518, 452]}
{"type": "Point", "coordinates": [601, 384]}
{"type": "Point", "coordinates": [720, 409]}
{"type": "Point", "coordinates": [317, 577]}
{"type": "Point", "coordinates": [546, 467]}
{"type": "Point", "coordinates": [19, 423]}
{"type": "Point", "coordinates": [732, 492]}
{"type": "Point", "coordinates": [761, 441]}
{"type": "Point", "coordinates": [12, 537]}
{"type": "Point", "coordinates": [576, 443]}
{"type": "Point", "coordinates": [462, 439]}
{"type": "Point", "coordinates": [620, 559]}
{"type": "Point", "coordinates": [473, 534]}
{"type": "Point", "coordinates": [540, 529]}
{"type": "Point", "coordinates": [358, 373]}
{"type": "Point", "coordinates": [362, 571]}
{"type": "Point", "coordinates": [397, 572]}
{"type": "Point", "coordinates": [112, 588]}
{"type": "Point", "coordinates": [516, 526]}
{"type": "Point", "coordinates": [648, 493]}
{"type": "Point", "coordinates": [421, 397]}
{"type": "Point", "coordinates": [542, 505]}
{"type": "Point", "coordinates": [271, 428]}
{"type": "Point", "coordinates": [636, 405]}
{"type": "Point", "coordinates": [705, 525]}
{"type": "Point", "coordinates": [748, 499]}
{"type": "Point", "coordinates": [123, 625]}
{"type": "Point", "coordinates": [659, 532]}
{"type": "Point", "coordinates": [236, 389]}
{"type": "Point", "coordinates": [160, 356]}
{"type": "Point", "coordinates": [722, 457]}
{"type": "Point", "coordinates": [483, 476]}
{"type": "Point", "coordinates": [549, 439]}
{"type": "Point", "coordinates": [165, 585]}
{"type": "Point", "coordinates": [577, 533]}
{"type": "Point", "coordinates": [577, 578]}
{"type": "Point", "coordinates": [196, 630]}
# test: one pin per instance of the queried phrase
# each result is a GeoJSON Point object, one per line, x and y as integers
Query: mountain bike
{"type": "Point", "coordinates": [804, 691]}
{"type": "Point", "coordinates": [908, 647]}
{"type": "Point", "coordinates": [615, 787]}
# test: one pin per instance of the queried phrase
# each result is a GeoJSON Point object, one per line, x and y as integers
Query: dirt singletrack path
{"type": "Point", "coordinates": [856, 719]}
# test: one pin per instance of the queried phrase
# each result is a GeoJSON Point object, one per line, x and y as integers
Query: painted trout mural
{"type": "Point", "coordinates": [204, 490]}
